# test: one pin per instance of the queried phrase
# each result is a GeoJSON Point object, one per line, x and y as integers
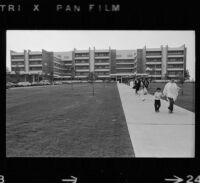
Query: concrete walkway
{"type": "Point", "coordinates": [157, 134]}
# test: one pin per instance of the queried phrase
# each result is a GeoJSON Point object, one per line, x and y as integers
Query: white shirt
{"type": "Point", "coordinates": [171, 90]}
{"type": "Point", "coordinates": [157, 95]}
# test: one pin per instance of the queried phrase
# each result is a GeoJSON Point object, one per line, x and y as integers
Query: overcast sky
{"type": "Point", "coordinates": [68, 40]}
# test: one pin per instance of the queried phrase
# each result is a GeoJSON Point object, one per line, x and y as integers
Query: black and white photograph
{"type": "Point", "coordinates": [100, 93]}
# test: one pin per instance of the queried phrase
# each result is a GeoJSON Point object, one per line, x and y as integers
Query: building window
{"type": "Point", "coordinates": [121, 61]}
{"type": "Point", "coordinates": [81, 61]}
{"type": "Point", "coordinates": [153, 59]}
{"type": "Point", "coordinates": [81, 54]}
{"type": "Point", "coordinates": [153, 53]}
{"type": "Point", "coordinates": [174, 65]}
{"type": "Point", "coordinates": [158, 66]}
{"type": "Point", "coordinates": [35, 62]}
{"type": "Point", "coordinates": [18, 69]}
{"type": "Point", "coordinates": [17, 56]}
{"type": "Point", "coordinates": [175, 60]}
{"type": "Point", "coordinates": [101, 67]}
{"type": "Point", "coordinates": [18, 63]}
{"type": "Point", "coordinates": [35, 56]}
{"type": "Point", "coordinates": [35, 68]}
{"type": "Point", "coordinates": [101, 54]}
{"type": "Point", "coordinates": [175, 52]}
{"type": "Point", "coordinates": [101, 61]}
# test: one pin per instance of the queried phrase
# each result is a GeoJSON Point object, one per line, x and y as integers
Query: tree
{"type": "Point", "coordinates": [182, 78]}
{"type": "Point", "coordinates": [17, 72]}
{"type": "Point", "coordinates": [92, 77]}
{"type": "Point", "coordinates": [8, 78]}
{"type": "Point", "coordinates": [186, 75]}
{"type": "Point", "coordinates": [71, 69]}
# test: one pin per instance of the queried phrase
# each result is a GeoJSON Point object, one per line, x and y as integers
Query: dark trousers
{"type": "Point", "coordinates": [171, 104]}
{"type": "Point", "coordinates": [157, 105]}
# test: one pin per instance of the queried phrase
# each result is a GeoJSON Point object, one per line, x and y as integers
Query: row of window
{"type": "Point", "coordinates": [174, 72]}
{"type": "Point", "coordinates": [82, 73]}
{"type": "Point", "coordinates": [35, 68]}
{"type": "Point", "coordinates": [153, 53]}
{"type": "Point", "coordinates": [175, 66]}
{"type": "Point", "coordinates": [154, 66]}
{"type": "Point", "coordinates": [35, 62]}
{"type": "Point", "coordinates": [175, 60]}
{"type": "Point", "coordinates": [155, 73]}
{"type": "Point", "coordinates": [102, 67]}
{"type": "Point", "coordinates": [175, 52]}
{"type": "Point", "coordinates": [18, 63]}
{"type": "Point", "coordinates": [101, 54]}
{"type": "Point", "coordinates": [101, 60]}
{"type": "Point", "coordinates": [102, 73]}
{"type": "Point", "coordinates": [125, 61]}
{"type": "Point", "coordinates": [18, 69]}
{"type": "Point", "coordinates": [82, 67]}
{"type": "Point", "coordinates": [129, 55]}
{"type": "Point", "coordinates": [17, 56]}
{"type": "Point", "coordinates": [81, 54]}
{"type": "Point", "coordinates": [39, 56]}
{"type": "Point", "coordinates": [125, 65]}
{"type": "Point", "coordinates": [124, 70]}
{"type": "Point", "coordinates": [81, 61]}
{"type": "Point", "coordinates": [153, 59]}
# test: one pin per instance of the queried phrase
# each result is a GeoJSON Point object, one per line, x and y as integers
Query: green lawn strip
{"type": "Point", "coordinates": [187, 100]}
{"type": "Point", "coordinates": [60, 122]}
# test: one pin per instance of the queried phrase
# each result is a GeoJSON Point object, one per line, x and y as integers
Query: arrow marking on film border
{"type": "Point", "coordinates": [73, 180]}
{"type": "Point", "coordinates": [175, 180]}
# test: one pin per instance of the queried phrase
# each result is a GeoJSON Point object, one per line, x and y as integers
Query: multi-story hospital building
{"type": "Point", "coordinates": [106, 63]}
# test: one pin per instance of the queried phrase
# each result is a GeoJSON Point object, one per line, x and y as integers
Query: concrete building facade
{"type": "Point", "coordinates": [164, 62]}
{"type": "Point", "coordinates": [159, 63]}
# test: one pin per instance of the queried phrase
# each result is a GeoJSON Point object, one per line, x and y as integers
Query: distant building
{"type": "Point", "coordinates": [162, 62]}
{"type": "Point", "coordinates": [107, 64]}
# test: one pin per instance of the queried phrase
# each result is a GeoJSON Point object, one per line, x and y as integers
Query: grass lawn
{"type": "Point", "coordinates": [187, 100]}
{"type": "Point", "coordinates": [58, 121]}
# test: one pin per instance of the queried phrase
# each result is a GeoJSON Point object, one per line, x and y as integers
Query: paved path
{"type": "Point", "coordinates": [157, 134]}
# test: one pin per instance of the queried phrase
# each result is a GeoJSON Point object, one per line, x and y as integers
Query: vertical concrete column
{"type": "Point", "coordinates": [184, 59]}
{"type": "Point", "coordinates": [113, 55]}
{"type": "Point", "coordinates": [26, 61]}
{"type": "Point", "coordinates": [109, 61]}
{"type": "Point", "coordinates": [164, 51]}
{"type": "Point", "coordinates": [143, 68]}
{"type": "Point", "coordinates": [91, 59]}
{"type": "Point", "coordinates": [140, 60]}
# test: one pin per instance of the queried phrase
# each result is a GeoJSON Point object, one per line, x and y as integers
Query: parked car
{"type": "Point", "coordinates": [35, 84]}
{"type": "Point", "coordinates": [57, 82]}
{"type": "Point", "coordinates": [24, 84]}
{"type": "Point", "coordinates": [66, 82]}
{"type": "Point", "coordinates": [44, 82]}
{"type": "Point", "coordinates": [10, 84]}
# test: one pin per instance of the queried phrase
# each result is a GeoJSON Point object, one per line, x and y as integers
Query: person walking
{"type": "Point", "coordinates": [137, 85]}
{"type": "Point", "coordinates": [157, 96]}
{"type": "Point", "coordinates": [141, 89]}
{"type": "Point", "coordinates": [171, 92]}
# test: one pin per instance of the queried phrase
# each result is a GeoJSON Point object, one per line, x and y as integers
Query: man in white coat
{"type": "Point", "coordinates": [171, 92]}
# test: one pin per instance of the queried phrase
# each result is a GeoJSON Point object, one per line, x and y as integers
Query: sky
{"type": "Point", "coordinates": [36, 40]}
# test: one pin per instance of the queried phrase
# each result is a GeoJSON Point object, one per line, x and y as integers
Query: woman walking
{"type": "Point", "coordinates": [171, 92]}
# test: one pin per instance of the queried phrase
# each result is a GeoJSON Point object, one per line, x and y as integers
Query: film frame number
{"type": "Point", "coordinates": [192, 179]}
{"type": "Point", "coordinates": [2, 180]}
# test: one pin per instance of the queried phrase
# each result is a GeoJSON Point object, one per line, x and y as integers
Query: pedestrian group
{"type": "Point", "coordinates": [170, 92]}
